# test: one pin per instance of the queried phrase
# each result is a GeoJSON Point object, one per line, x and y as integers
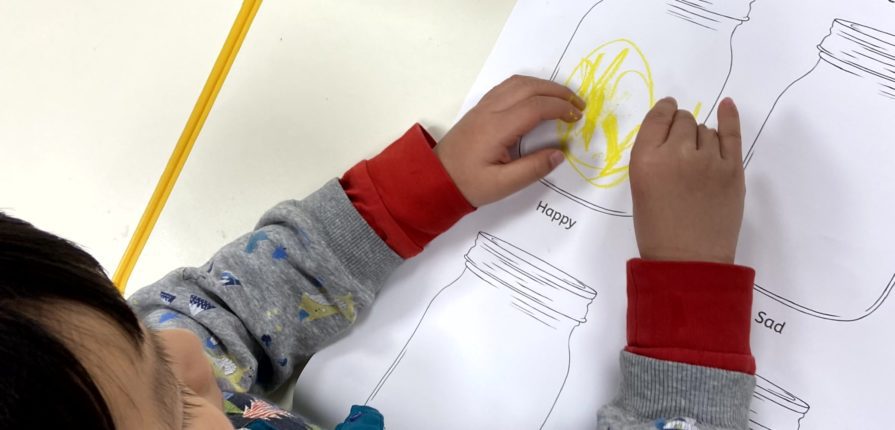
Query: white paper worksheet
{"type": "Point", "coordinates": [515, 317]}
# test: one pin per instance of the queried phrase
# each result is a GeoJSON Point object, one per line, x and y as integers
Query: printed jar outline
{"type": "Point", "coordinates": [773, 408]}
{"type": "Point", "coordinates": [844, 276]}
{"type": "Point", "coordinates": [507, 303]}
{"type": "Point", "coordinates": [608, 61]}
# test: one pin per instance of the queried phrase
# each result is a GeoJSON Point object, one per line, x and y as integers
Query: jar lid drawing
{"type": "Point", "coordinates": [774, 408]}
{"type": "Point", "coordinates": [738, 10]}
{"type": "Point", "coordinates": [541, 286]}
{"type": "Point", "coordinates": [860, 49]}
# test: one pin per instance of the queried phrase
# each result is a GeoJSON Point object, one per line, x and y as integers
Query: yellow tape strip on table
{"type": "Point", "coordinates": [185, 143]}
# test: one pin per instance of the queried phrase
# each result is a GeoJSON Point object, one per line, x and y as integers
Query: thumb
{"type": "Point", "coordinates": [521, 173]}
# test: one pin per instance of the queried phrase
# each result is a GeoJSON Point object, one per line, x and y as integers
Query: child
{"type": "Point", "coordinates": [75, 354]}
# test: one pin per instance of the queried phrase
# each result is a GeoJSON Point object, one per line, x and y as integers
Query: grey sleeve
{"type": "Point", "coordinates": [273, 297]}
{"type": "Point", "coordinates": [656, 393]}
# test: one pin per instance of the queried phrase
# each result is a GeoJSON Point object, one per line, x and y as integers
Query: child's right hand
{"type": "Point", "coordinates": [475, 152]}
{"type": "Point", "coordinates": [688, 185]}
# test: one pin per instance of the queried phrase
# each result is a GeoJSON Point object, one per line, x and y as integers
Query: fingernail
{"type": "Point", "coordinates": [578, 102]}
{"type": "Point", "coordinates": [556, 158]}
{"type": "Point", "coordinates": [667, 101]}
{"type": "Point", "coordinates": [729, 101]}
{"type": "Point", "coordinates": [574, 115]}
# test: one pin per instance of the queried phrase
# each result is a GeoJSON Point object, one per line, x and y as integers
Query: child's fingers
{"type": "Point", "coordinates": [526, 115]}
{"type": "Point", "coordinates": [708, 141]}
{"type": "Point", "coordinates": [684, 130]}
{"type": "Point", "coordinates": [519, 88]}
{"type": "Point", "coordinates": [729, 130]}
{"type": "Point", "coordinates": [521, 173]}
{"type": "Point", "coordinates": [657, 123]}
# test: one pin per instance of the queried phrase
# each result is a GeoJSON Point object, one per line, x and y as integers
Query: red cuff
{"type": "Point", "coordinates": [405, 194]}
{"type": "Point", "coordinates": [693, 313]}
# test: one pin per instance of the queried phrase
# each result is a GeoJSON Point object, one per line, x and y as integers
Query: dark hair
{"type": "Point", "coordinates": [44, 384]}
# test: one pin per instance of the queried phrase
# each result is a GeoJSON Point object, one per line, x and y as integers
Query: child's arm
{"type": "Point", "coordinates": [688, 354]}
{"type": "Point", "coordinates": [273, 297]}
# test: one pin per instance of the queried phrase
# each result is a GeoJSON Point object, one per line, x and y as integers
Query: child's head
{"type": "Point", "coordinates": [73, 352]}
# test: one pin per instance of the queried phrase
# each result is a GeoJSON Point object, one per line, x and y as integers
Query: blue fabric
{"type": "Point", "coordinates": [363, 418]}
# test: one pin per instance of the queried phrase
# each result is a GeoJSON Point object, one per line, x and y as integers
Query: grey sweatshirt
{"type": "Point", "coordinates": [271, 298]}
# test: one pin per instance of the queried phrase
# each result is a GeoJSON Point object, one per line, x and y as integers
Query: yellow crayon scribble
{"type": "Point", "coordinates": [598, 147]}
{"type": "Point", "coordinates": [697, 110]}
{"type": "Point", "coordinates": [600, 74]}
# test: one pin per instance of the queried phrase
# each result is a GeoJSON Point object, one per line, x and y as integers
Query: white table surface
{"type": "Point", "coordinates": [93, 96]}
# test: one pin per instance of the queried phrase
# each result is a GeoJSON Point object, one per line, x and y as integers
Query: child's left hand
{"type": "Point", "coordinates": [688, 185]}
{"type": "Point", "coordinates": [475, 152]}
